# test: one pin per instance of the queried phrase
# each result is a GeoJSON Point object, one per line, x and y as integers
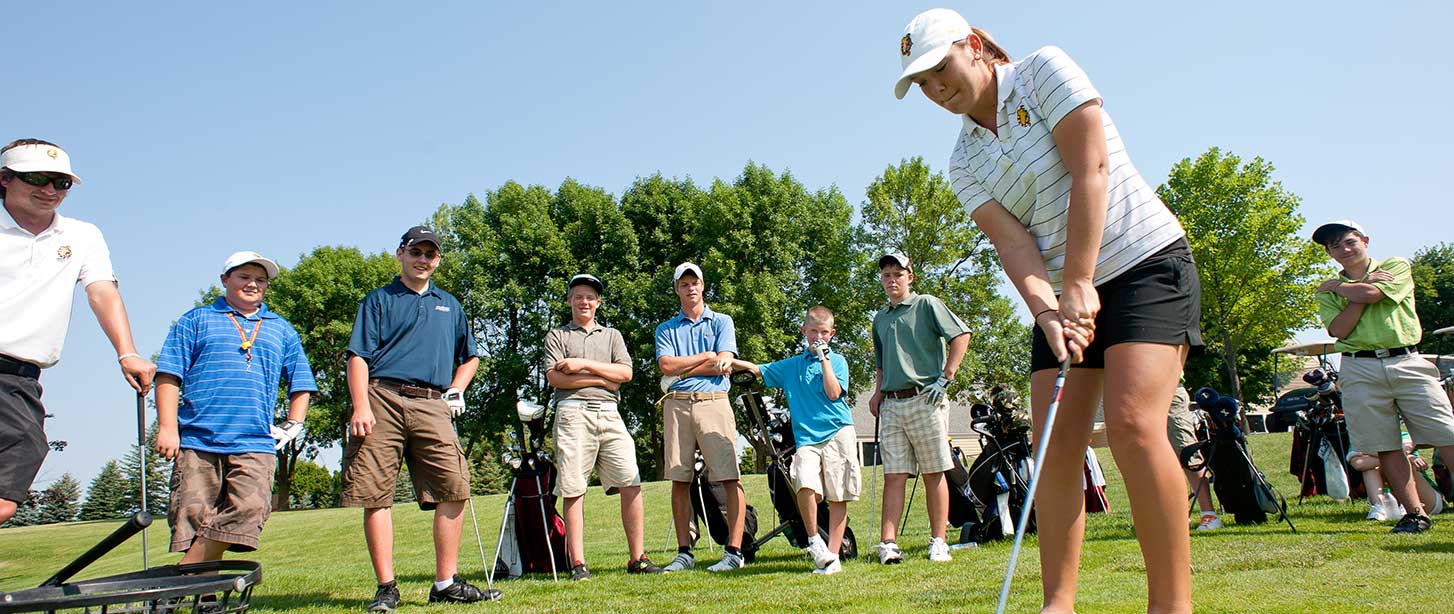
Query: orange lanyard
{"type": "Point", "coordinates": [246, 342]}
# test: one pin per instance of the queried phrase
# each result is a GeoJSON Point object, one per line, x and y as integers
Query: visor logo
{"type": "Point", "coordinates": [906, 45]}
{"type": "Point", "coordinates": [53, 153]}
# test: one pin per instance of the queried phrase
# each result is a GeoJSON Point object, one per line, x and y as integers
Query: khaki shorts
{"type": "Point", "coordinates": [222, 497]}
{"type": "Point", "coordinates": [1181, 425]}
{"type": "Point", "coordinates": [1377, 391]}
{"type": "Point", "coordinates": [422, 429]}
{"type": "Point", "coordinates": [914, 435]}
{"type": "Point", "coordinates": [591, 435]}
{"type": "Point", "coordinates": [705, 423]}
{"type": "Point", "coordinates": [829, 468]}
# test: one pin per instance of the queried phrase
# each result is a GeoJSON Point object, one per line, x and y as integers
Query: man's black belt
{"type": "Point", "coordinates": [13, 366]}
{"type": "Point", "coordinates": [406, 389]}
{"type": "Point", "coordinates": [1384, 353]}
{"type": "Point", "coordinates": [907, 393]}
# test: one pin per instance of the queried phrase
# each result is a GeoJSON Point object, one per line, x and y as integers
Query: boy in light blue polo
{"type": "Point", "coordinates": [826, 463]}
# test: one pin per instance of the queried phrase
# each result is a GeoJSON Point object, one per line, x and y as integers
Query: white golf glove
{"type": "Point", "coordinates": [820, 349]}
{"type": "Point", "coordinates": [286, 432]}
{"type": "Point", "coordinates": [455, 400]}
{"type": "Point", "coordinates": [937, 390]}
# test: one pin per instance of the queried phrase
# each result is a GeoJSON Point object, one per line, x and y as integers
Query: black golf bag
{"type": "Point", "coordinates": [709, 507]}
{"type": "Point", "coordinates": [774, 428]}
{"type": "Point", "coordinates": [1240, 487]}
{"type": "Point", "coordinates": [999, 479]}
{"type": "Point", "coordinates": [1320, 443]}
{"type": "Point", "coordinates": [532, 531]}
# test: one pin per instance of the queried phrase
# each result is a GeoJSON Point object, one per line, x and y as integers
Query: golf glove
{"type": "Point", "coordinates": [286, 432]}
{"type": "Point", "coordinates": [455, 400]}
{"type": "Point", "coordinates": [820, 349]}
{"type": "Point", "coordinates": [937, 390]}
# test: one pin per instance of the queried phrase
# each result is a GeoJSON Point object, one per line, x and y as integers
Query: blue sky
{"type": "Point", "coordinates": [201, 129]}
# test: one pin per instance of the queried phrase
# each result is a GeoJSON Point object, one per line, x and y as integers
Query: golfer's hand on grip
{"type": "Point", "coordinates": [168, 442]}
{"type": "Point", "coordinates": [874, 402]}
{"type": "Point", "coordinates": [1064, 342]}
{"type": "Point", "coordinates": [138, 372]}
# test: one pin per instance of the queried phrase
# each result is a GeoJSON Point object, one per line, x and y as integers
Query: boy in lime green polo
{"type": "Point", "coordinates": [1369, 308]}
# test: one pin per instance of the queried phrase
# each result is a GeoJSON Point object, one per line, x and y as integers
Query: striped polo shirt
{"type": "Point", "coordinates": [1022, 169]}
{"type": "Point", "coordinates": [227, 405]}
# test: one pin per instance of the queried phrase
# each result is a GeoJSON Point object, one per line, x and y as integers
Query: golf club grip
{"type": "Point", "coordinates": [134, 525]}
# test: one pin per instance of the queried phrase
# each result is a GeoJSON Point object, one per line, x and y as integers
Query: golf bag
{"type": "Point", "coordinates": [964, 508]}
{"type": "Point", "coordinates": [1320, 443]}
{"type": "Point", "coordinates": [774, 428]}
{"type": "Point", "coordinates": [1095, 485]}
{"type": "Point", "coordinates": [1242, 490]}
{"type": "Point", "coordinates": [709, 507]}
{"type": "Point", "coordinates": [999, 479]}
{"type": "Point", "coordinates": [532, 531]}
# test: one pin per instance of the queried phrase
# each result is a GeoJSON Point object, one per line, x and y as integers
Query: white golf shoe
{"type": "Point", "coordinates": [939, 551]}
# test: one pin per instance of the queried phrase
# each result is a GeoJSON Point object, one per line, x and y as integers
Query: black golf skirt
{"type": "Point", "coordinates": [1156, 301]}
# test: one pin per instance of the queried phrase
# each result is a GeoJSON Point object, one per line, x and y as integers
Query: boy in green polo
{"type": "Point", "coordinates": [917, 346]}
{"type": "Point", "coordinates": [1369, 308]}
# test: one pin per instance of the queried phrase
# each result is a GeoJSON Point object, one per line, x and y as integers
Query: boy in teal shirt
{"type": "Point", "coordinates": [825, 465]}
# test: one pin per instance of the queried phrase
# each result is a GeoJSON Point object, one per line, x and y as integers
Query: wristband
{"type": "Point", "coordinates": [1043, 312]}
{"type": "Point", "coordinates": [126, 356]}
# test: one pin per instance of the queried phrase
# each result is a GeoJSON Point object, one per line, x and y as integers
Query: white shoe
{"type": "Point", "coordinates": [1392, 510]}
{"type": "Point", "coordinates": [831, 568]}
{"type": "Point", "coordinates": [939, 551]}
{"type": "Point", "coordinates": [819, 551]}
{"type": "Point", "coordinates": [1376, 511]}
{"type": "Point", "coordinates": [729, 562]}
{"type": "Point", "coordinates": [1210, 522]}
{"type": "Point", "coordinates": [682, 562]}
{"type": "Point", "coordinates": [889, 553]}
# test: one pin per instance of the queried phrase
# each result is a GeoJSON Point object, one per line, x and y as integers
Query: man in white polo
{"type": "Point", "coordinates": [43, 255]}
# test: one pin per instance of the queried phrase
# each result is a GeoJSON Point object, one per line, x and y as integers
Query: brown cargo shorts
{"type": "Point", "coordinates": [222, 497]}
{"type": "Point", "coordinates": [418, 428]}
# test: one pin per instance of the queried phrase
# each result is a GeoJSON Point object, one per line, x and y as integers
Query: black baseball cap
{"type": "Point", "coordinates": [419, 234]}
{"type": "Point", "coordinates": [587, 280]}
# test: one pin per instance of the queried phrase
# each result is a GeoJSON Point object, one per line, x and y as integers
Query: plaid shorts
{"type": "Point", "coordinates": [222, 497]}
{"type": "Point", "coordinates": [914, 435]}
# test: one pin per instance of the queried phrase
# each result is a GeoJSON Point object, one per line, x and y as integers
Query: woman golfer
{"type": "Point", "coordinates": [1101, 263]}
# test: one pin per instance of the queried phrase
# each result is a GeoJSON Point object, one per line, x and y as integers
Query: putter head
{"type": "Point", "coordinates": [529, 410]}
{"type": "Point", "coordinates": [492, 594]}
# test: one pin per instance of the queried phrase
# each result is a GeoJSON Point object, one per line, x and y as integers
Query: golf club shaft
{"type": "Point", "coordinates": [504, 520]}
{"type": "Point", "coordinates": [873, 489]}
{"type": "Point", "coordinates": [1034, 483]}
{"type": "Point", "coordinates": [545, 524]}
{"type": "Point", "coordinates": [475, 520]}
{"type": "Point", "coordinates": [141, 454]}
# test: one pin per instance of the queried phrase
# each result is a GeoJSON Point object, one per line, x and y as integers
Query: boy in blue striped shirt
{"type": "Point", "coordinates": [229, 357]}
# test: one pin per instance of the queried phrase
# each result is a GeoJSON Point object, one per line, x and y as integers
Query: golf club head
{"type": "Point", "coordinates": [529, 410]}
{"type": "Point", "coordinates": [981, 426]}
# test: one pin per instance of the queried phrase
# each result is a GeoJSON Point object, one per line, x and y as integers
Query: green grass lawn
{"type": "Point", "coordinates": [315, 561]}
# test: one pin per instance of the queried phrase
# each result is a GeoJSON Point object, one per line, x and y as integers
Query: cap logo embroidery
{"type": "Point", "coordinates": [1022, 116]}
{"type": "Point", "coordinates": [53, 153]}
{"type": "Point", "coordinates": [906, 45]}
{"type": "Point", "coordinates": [63, 253]}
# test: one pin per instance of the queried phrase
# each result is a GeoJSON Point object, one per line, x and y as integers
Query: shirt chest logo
{"type": "Point", "coordinates": [1022, 116]}
{"type": "Point", "coordinates": [443, 308]}
{"type": "Point", "coordinates": [64, 253]}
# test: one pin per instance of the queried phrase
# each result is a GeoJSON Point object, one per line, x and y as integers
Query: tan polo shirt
{"type": "Point", "coordinates": [598, 343]}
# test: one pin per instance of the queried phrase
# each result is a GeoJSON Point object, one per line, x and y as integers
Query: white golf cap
{"type": "Point", "coordinates": [687, 267]}
{"type": "Point", "coordinates": [925, 42]}
{"type": "Point", "coordinates": [38, 159]}
{"type": "Point", "coordinates": [899, 259]}
{"type": "Point", "coordinates": [1325, 233]}
{"type": "Point", "coordinates": [240, 258]}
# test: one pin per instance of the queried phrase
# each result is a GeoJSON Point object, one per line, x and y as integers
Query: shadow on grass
{"type": "Point", "coordinates": [1425, 548]}
{"type": "Point", "coordinates": [307, 600]}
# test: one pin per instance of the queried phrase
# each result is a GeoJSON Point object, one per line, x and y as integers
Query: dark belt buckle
{"type": "Point", "coordinates": [1382, 352]}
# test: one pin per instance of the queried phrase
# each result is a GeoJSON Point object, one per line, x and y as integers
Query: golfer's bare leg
{"type": "Point", "coordinates": [936, 500]}
{"type": "Point", "coordinates": [681, 512]}
{"type": "Point", "coordinates": [632, 521]}
{"type": "Point", "coordinates": [837, 524]}
{"type": "Point", "coordinates": [1400, 478]}
{"type": "Point", "coordinates": [1198, 480]}
{"type": "Point", "coordinates": [1140, 379]}
{"type": "Point", "coordinates": [7, 509]}
{"type": "Point", "coordinates": [379, 533]}
{"type": "Point", "coordinates": [575, 519]}
{"type": "Point", "coordinates": [736, 511]}
{"type": "Point", "coordinates": [808, 507]}
{"type": "Point", "coordinates": [893, 506]}
{"type": "Point", "coordinates": [448, 522]}
{"type": "Point", "coordinates": [1061, 527]}
{"type": "Point", "coordinates": [204, 549]}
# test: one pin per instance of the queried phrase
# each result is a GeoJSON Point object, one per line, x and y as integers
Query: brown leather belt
{"type": "Point", "coordinates": [696, 396]}
{"type": "Point", "coordinates": [907, 393]}
{"type": "Point", "coordinates": [407, 390]}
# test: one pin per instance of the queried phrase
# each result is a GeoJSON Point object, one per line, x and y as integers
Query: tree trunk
{"type": "Point", "coordinates": [1229, 360]}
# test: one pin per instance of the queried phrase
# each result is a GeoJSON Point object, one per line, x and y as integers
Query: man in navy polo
{"type": "Point", "coordinates": [229, 356]}
{"type": "Point", "coordinates": [695, 350]}
{"type": "Point", "coordinates": [409, 359]}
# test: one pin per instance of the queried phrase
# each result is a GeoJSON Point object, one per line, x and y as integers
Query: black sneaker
{"type": "Point", "coordinates": [386, 599]}
{"type": "Point", "coordinates": [1412, 523]}
{"type": "Point", "coordinates": [462, 592]}
{"type": "Point", "coordinates": [580, 572]}
{"type": "Point", "coordinates": [642, 566]}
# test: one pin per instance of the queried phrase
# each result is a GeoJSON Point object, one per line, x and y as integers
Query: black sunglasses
{"type": "Point", "coordinates": [39, 180]}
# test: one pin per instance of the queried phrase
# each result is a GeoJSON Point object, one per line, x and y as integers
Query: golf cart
{"type": "Point", "coordinates": [1296, 402]}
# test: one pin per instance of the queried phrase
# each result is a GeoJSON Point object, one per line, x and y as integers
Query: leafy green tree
{"type": "Point", "coordinates": [320, 296]}
{"type": "Point", "coordinates": [1258, 275]}
{"type": "Point", "coordinates": [312, 486]}
{"type": "Point", "coordinates": [106, 496]}
{"type": "Point", "coordinates": [60, 502]}
{"type": "Point", "coordinates": [912, 210]}
{"type": "Point", "coordinates": [1434, 295]}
